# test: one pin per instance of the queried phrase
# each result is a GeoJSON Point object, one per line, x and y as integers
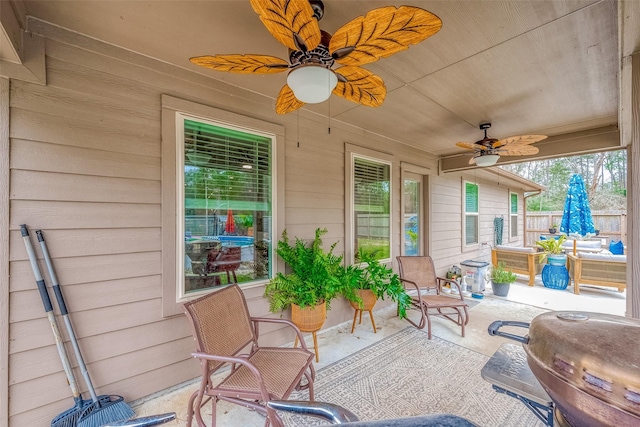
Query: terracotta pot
{"type": "Point", "coordinates": [368, 300]}
{"type": "Point", "coordinates": [309, 319]}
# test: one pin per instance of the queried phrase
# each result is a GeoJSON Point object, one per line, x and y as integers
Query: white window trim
{"type": "Point", "coordinates": [171, 161]}
{"type": "Point", "coordinates": [514, 217]}
{"type": "Point", "coordinates": [475, 245]}
{"type": "Point", "coordinates": [351, 152]}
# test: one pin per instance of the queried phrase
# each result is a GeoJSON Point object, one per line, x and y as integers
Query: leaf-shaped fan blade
{"type": "Point", "coordinates": [291, 22]}
{"type": "Point", "coordinates": [361, 86]}
{"type": "Point", "coordinates": [471, 146]}
{"type": "Point", "coordinates": [287, 101]}
{"type": "Point", "coordinates": [382, 32]}
{"type": "Point", "coordinates": [517, 150]}
{"type": "Point", "coordinates": [243, 64]}
{"type": "Point", "coordinates": [519, 140]}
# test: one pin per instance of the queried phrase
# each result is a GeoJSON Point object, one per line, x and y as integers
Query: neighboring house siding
{"type": "Point", "coordinates": [86, 169]}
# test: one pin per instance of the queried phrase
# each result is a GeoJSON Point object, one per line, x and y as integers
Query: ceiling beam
{"type": "Point", "coordinates": [22, 55]}
{"type": "Point", "coordinates": [604, 138]}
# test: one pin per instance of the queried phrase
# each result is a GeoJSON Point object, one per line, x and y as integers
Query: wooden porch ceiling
{"type": "Point", "coordinates": [530, 67]}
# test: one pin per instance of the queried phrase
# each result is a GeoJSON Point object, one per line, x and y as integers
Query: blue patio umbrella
{"type": "Point", "coordinates": [576, 217]}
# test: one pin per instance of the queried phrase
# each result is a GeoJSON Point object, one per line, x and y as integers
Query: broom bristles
{"type": "Point", "coordinates": [69, 418]}
{"type": "Point", "coordinates": [113, 410]}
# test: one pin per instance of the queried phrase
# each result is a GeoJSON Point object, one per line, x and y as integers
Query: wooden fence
{"type": "Point", "coordinates": [612, 225]}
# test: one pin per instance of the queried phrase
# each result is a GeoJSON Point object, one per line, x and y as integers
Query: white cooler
{"type": "Point", "coordinates": [478, 271]}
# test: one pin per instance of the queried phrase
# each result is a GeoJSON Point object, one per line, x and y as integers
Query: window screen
{"type": "Point", "coordinates": [227, 205]}
{"type": "Point", "coordinates": [371, 205]}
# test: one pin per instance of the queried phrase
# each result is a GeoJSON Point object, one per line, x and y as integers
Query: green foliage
{"type": "Point", "coordinates": [378, 278]}
{"type": "Point", "coordinates": [413, 235]}
{"type": "Point", "coordinates": [551, 246]}
{"type": "Point", "coordinates": [379, 248]}
{"type": "Point", "coordinates": [500, 274]}
{"type": "Point", "coordinates": [244, 220]}
{"type": "Point", "coordinates": [314, 277]}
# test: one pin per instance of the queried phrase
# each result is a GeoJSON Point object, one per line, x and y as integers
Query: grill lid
{"type": "Point", "coordinates": [597, 353]}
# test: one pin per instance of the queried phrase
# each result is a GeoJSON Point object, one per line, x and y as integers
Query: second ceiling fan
{"type": "Point", "coordinates": [313, 52]}
{"type": "Point", "coordinates": [487, 151]}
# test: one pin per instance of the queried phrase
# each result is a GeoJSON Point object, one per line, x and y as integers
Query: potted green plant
{"type": "Point", "coordinates": [552, 250]}
{"type": "Point", "coordinates": [312, 281]}
{"type": "Point", "coordinates": [553, 229]}
{"type": "Point", "coordinates": [501, 279]}
{"type": "Point", "coordinates": [370, 281]}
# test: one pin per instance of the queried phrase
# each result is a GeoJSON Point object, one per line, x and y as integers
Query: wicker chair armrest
{"type": "Point", "coordinates": [257, 320]}
{"type": "Point", "coordinates": [239, 360]}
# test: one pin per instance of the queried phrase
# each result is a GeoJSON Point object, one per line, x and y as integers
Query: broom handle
{"type": "Point", "coordinates": [46, 301]}
{"type": "Point", "coordinates": [65, 316]}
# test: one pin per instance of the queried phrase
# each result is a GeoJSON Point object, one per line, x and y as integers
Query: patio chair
{"type": "Point", "coordinates": [227, 336]}
{"type": "Point", "coordinates": [418, 274]}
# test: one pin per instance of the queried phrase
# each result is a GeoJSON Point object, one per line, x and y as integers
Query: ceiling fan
{"type": "Point", "coordinates": [313, 52]}
{"type": "Point", "coordinates": [487, 151]}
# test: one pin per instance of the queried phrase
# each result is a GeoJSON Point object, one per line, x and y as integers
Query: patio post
{"type": "Point", "coordinates": [631, 127]}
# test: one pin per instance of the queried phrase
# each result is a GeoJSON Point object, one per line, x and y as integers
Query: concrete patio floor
{"type": "Point", "coordinates": [523, 303]}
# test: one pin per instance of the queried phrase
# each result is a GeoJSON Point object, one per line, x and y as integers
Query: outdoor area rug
{"type": "Point", "coordinates": [405, 375]}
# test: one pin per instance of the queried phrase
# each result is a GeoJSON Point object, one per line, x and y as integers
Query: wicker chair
{"type": "Point", "coordinates": [226, 335]}
{"type": "Point", "coordinates": [418, 274]}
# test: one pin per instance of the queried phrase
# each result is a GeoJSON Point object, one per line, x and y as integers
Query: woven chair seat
{"type": "Point", "coordinates": [435, 301]}
{"type": "Point", "coordinates": [277, 376]}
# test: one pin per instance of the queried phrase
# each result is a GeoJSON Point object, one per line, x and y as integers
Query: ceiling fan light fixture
{"type": "Point", "coordinates": [487, 160]}
{"type": "Point", "coordinates": [312, 84]}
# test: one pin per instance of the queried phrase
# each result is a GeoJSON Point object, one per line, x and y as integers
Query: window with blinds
{"type": "Point", "coordinates": [471, 213]}
{"type": "Point", "coordinates": [372, 207]}
{"type": "Point", "coordinates": [227, 205]}
{"type": "Point", "coordinates": [513, 211]}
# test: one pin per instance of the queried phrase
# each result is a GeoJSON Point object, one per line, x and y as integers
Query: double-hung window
{"type": "Point", "coordinates": [225, 193]}
{"type": "Point", "coordinates": [371, 207]}
{"type": "Point", "coordinates": [513, 215]}
{"type": "Point", "coordinates": [471, 214]}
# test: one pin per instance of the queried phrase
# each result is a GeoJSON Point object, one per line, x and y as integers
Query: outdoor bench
{"type": "Point", "coordinates": [598, 269]}
{"type": "Point", "coordinates": [519, 260]}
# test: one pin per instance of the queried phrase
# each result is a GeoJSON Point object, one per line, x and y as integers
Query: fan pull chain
{"type": "Point", "coordinates": [298, 135]}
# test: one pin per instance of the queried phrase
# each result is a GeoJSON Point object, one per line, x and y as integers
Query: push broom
{"type": "Point", "coordinates": [105, 409]}
{"type": "Point", "coordinates": [69, 418]}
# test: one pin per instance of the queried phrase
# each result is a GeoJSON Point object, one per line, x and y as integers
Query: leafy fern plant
{"type": "Point", "coordinates": [378, 278]}
{"type": "Point", "coordinates": [313, 277]}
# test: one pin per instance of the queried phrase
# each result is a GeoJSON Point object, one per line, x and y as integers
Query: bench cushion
{"type": "Point", "coordinates": [585, 244]}
{"type": "Point", "coordinates": [602, 257]}
{"type": "Point", "coordinates": [515, 249]}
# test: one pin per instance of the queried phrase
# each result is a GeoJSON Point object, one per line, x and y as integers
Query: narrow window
{"type": "Point", "coordinates": [225, 204]}
{"type": "Point", "coordinates": [471, 217]}
{"type": "Point", "coordinates": [513, 219]}
{"type": "Point", "coordinates": [372, 207]}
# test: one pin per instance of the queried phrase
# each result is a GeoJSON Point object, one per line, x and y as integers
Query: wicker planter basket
{"type": "Point", "coordinates": [309, 319]}
{"type": "Point", "coordinates": [368, 300]}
